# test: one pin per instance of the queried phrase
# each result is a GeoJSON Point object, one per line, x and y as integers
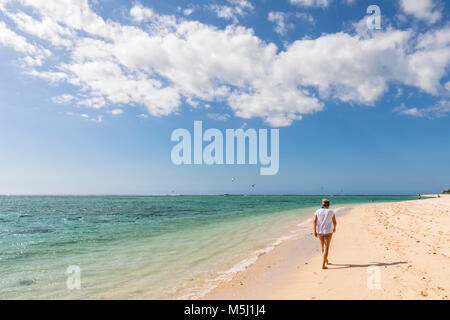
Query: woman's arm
{"type": "Point", "coordinates": [334, 223]}
{"type": "Point", "coordinates": [315, 224]}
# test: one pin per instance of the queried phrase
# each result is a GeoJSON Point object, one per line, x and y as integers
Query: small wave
{"type": "Point", "coordinates": [305, 222]}
{"type": "Point", "coordinates": [245, 264]}
{"type": "Point", "coordinates": [239, 267]}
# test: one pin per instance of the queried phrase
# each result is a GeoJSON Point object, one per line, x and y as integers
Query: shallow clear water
{"type": "Point", "coordinates": [135, 247]}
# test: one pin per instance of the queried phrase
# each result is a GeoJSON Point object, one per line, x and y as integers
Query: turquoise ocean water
{"type": "Point", "coordinates": [133, 247]}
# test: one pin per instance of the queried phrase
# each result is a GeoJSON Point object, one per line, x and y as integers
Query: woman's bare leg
{"type": "Point", "coordinates": [323, 246]}
{"type": "Point", "coordinates": [327, 242]}
{"type": "Point", "coordinates": [322, 243]}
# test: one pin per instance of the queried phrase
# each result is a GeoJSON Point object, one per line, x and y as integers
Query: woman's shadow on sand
{"type": "Point", "coordinates": [348, 265]}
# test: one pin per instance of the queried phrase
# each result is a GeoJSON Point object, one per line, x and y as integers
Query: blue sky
{"type": "Point", "coordinates": [91, 92]}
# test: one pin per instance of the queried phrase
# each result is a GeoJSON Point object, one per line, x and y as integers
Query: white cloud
{"type": "Point", "coordinates": [241, 5]}
{"type": "Point", "coordinates": [140, 13]}
{"type": "Point", "coordinates": [311, 3]}
{"type": "Point", "coordinates": [422, 9]}
{"type": "Point", "coordinates": [63, 99]}
{"type": "Point", "coordinates": [53, 77]}
{"type": "Point", "coordinates": [15, 41]}
{"type": "Point", "coordinates": [219, 116]}
{"type": "Point", "coordinates": [191, 102]}
{"type": "Point", "coordinates": [225, 12]}
{"type": "Point", "coordinates": [45, 28]}
{"type": "Point", "coordinates": [279, 18]}
{"type": "Point", "coordinates": [168, 60]}
{"type": "Point", "coordinates": [188, 11]}
{"type": "Point", "coordinates": [346, 67]}
{"type": "Point", "coordinates": [440, 109]}
{"type": "Point", "coordinates": [361, 67]}
{"type": "Point", "coordinates": [318, 3]}
{"type": "Point", "coordinates": [116, 112]}
{"type": "Point", "coordinates": [429, 63]}
{"type": "Point", "coordinates": [234, 10]}
{"type": "Point", "coordinates": [29, 61]}
{"type": "Point", "coordinates": [95, 102]}
{"type": "Point", "coordinates": [305, 16]}
{"type": "Point", "coordinates": [447, 86]}
{"type": "Point", "coordinates": [99, 119]}
{"type": "Point", "coordinates": [142, 115]}
{"type": "Point", "coordinates": [405, 111]}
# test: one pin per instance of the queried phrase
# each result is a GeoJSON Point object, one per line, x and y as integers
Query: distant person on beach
{"type": "Point", "coordinates": [324, 226]}
{"type": "Point", "coordinates": [419, 196]}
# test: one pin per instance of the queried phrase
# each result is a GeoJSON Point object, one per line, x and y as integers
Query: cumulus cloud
{"type": "Point", "coordinates": [15, 41]}
{"type": "Point", "coordinates": [140, 13]}
{"type": "Point", "coordinates": [63, 99]}
{"type": "Point", "coordinates": [279, 18]}
{"type": "Point", "coordinates": [29, 61]}
{"type": "Point", "coordinates": [429, 63]}
{"type": "Point", "coordinates": [166, 61]}
{"type": "Point", "coordinates": [447, 86]}
{"type": "Point", "coordinates": [44, 28]}
{"type": "Point", "coordinates": [188, 11]}
{"type": "Point", "coordinates": [98, 119]}
{"type": "Point", "coordinates": [317, 3]}
{"type": "Point", "coordinates": [422, 9]}
{"type": "Point", "coordinates": [85, 116]}
{"type": "Point", "coordinates": [219, 116]}
{"type": "Point", "coordinates": [116, 112]}
{"type": "Point", "coordinates": [233, 10]}
{"type": "Point", "coordinates": [440, 109]}
{"type": "Point", "coordinates": [54, 77]}
{"type": "Point", "coordinates": [305, 16]}
{"type": "Point", "coordinates": [311, 3]}
{"type": "Point", "coordinates": [95, 102]}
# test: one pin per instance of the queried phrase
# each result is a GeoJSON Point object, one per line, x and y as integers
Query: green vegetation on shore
{"type": "Point", "coordinates": [446, 191]}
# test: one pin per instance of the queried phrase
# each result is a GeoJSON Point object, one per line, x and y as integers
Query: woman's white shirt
{"type": "Point", "coordinates": [324, 221]}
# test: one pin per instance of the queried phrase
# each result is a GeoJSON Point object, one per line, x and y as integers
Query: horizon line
{"type": "Point", "coordinates": [211, 194]}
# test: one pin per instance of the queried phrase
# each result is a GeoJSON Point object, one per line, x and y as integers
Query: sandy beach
{"type": "Point", "coordinates": [396, 250]}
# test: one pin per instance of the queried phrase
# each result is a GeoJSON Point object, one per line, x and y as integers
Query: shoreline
{"type": "Point", "coordinates": [267, 271]}
{"type": "Point", "coordinates": [297, 230]}
{"type": "Point", "coordinates": [399, 252]}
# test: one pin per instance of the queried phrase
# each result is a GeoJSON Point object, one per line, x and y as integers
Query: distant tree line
{"type": "Point", "coordinates": [446, 191]}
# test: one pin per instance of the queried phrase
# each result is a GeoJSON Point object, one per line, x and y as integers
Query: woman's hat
{"type": "Point", "coordinates": [325, 202]}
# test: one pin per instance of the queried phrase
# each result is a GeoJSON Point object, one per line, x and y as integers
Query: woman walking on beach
{"type": "Point", "coordinates": [324, 226]}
